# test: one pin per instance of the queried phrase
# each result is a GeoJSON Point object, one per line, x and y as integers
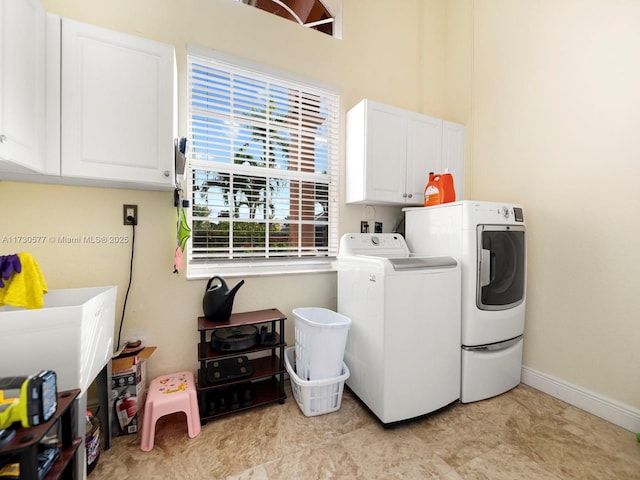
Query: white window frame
{"type": "Point", "coordinates": [335, 7]}
{"type": "Point", "coordinates": [304, 262]}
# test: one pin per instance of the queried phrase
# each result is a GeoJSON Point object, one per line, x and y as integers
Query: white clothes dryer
{"type": "Point", "coordinates": [488, 239]}
{"type": "Point", "coordinates": [403, 348]}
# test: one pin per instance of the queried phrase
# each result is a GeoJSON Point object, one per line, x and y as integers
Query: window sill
{"type": "Point", "coordinates": [230, 270]}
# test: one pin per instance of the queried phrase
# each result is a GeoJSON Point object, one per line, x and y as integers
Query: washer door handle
{"type": "Point", "coordinates": [485, 267]}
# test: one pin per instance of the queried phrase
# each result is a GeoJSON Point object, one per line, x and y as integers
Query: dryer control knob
{"type": "Point", "coordinates": [505, 212]}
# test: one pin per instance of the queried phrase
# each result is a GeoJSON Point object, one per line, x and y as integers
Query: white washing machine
{"type": "Point", "coordinates": [488, 239]}
{"type": "Point", "coordinates": [403, 348]}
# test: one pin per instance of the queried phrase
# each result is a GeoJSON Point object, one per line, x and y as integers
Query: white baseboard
{"type": "Point", "coordinates": [615, 412]}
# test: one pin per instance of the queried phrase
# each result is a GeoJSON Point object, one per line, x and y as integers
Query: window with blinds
{"type": "Point", "coordinates": [263, 170]}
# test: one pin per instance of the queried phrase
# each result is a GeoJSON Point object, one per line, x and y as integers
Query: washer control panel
{"type": "Point", "coordinates": [387, 244]}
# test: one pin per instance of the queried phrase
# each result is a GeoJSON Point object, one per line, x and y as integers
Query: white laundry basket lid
{"type": "Point", "coordinates": [322, 317]}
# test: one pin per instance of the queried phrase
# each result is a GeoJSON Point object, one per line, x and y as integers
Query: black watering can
{"type": "Point", "coordinates": [218, 299]}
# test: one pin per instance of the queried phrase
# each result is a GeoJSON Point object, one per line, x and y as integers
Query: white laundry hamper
{"type": "Point", "coordinates": [315, 397]}
{"type": "Point", "coordinates": [321, 338]}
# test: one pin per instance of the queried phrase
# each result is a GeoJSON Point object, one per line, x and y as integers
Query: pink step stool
{"type": "Point", "coordinates": [169, 394]}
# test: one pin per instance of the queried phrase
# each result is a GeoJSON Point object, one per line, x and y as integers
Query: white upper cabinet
{"type": "Point", "coordinates": [390, 152]}
{"type": "Point", "coordinates": [117, 100]}
{"type": "Point", "coordinates": [83, 105]}
{"type": "Point", "coordinates": [22, 86]}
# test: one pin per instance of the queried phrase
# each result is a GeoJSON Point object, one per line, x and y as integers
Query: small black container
{"type": "Point", "coordinates": [234, 339]}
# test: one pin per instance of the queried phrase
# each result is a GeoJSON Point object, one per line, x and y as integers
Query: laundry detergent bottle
{"type": "Point", "coordinates": [439, 189]}
{"type": "Point", "coordinates": [447, 189]}
{"type": "Point", "coordinates": [431, 191]}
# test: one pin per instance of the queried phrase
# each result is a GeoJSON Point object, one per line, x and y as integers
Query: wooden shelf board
{"type": "Point", "coordinates": [243, 318]}
{"type": "Point", "coordinates": [211, 353]}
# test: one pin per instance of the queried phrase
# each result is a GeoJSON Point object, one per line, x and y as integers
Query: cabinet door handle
{"type": "Point", "coordinates": [3, 139]}
{"type": "Point", "coordinates": [411, 195]}
{"type": "Point", "coordinates": [166, 173]}
{"type": "Point", "coordinates": [404, 195]}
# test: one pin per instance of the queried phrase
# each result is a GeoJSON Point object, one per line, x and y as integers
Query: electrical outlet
{"type": "Point", "coordinates": [130, 211]}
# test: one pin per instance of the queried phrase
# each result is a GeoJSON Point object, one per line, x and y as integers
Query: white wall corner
{"type": "Point", "coordinates": [615, 412]}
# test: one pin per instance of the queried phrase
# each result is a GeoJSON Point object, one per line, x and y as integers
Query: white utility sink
{"type": "Point", "coordinates": [72, 334]}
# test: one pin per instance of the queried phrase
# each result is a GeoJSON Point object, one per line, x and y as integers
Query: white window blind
{"type": "Point", "coordinates": [263, 170]}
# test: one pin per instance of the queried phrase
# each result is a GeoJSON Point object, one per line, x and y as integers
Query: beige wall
{"type": "Point", "coordinates": [556, 102]}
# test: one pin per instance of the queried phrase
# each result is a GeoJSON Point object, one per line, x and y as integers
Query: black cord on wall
{"type": "Point", "coordinates": [124, 306]}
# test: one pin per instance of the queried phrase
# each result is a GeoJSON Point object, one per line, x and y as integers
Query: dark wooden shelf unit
{"type": "Point", "coordinates": [267, 380]}
{"type": "Point", "coordinates": [25, 444]}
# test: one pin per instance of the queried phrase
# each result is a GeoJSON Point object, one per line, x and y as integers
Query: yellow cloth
{"type": "Point", "coordinates": [27, 288]}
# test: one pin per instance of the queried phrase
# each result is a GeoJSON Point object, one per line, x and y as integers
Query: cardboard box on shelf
{"type": "Point", "coordinates": [128, 392]}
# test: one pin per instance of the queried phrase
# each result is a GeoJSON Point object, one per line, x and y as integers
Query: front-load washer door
{"type": "Point", "coordinates": [501, 267]}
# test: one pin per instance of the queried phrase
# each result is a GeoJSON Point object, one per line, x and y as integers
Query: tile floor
{"type": "Point", "coordinates": [522, 434]}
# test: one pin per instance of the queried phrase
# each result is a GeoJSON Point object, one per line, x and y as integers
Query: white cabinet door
{"type": "Point", "coordinates": [385, 169]}
{"type": "Point", "coordinates": [424, 147]}
{"type": "Point", "coordinates": [117, 106]}
{"type": "Point", "coordinates": [376, 150]}
{"type": "Point", "coordinates": [22, 85]}
{"type": "Point", "coordinates": [453, 136]}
